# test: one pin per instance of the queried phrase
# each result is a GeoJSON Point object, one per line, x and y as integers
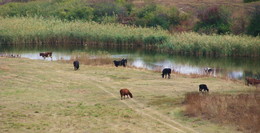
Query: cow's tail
{"type": "Point", "coordinates": [130, 94]}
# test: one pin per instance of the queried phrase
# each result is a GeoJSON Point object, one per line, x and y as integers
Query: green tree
{"type": "Point", "coordinates": [213, 20]}
{"type": "Point", "coordinates": [254, 26]}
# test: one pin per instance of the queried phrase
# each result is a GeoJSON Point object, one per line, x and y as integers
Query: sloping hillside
{"type": "Point", "coordinates": [193, 5]}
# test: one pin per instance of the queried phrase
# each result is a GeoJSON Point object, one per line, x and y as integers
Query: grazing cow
{"type": "Point", "coordinates": [117, 63]}
{"type": "Point", "coordinates": [208, 70]}
{"type": "Point", "coordinates": [46, 54]}
{"type": "Point", "coordinates": [76, 65]}
{"type": "Point", "coordinates": [203, 87]}
{"type": "Point", "coordinates": [125, 92]}
{"type": "Point", "coordinates": [252, 81]}
{"type": "Point", "coordinates": [165, 72]}
{"type": "Point", "coordinates": [123, 62]}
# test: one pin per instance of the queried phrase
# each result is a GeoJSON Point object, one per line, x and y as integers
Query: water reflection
{"type": "Point", "coordinates": [55, 56]}
{"type": "Point", "coordinates": [236, 75]}
{"type": "Point", "coordinates": [236, 68]}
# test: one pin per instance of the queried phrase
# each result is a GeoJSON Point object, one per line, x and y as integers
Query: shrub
{"type": "Point", "coordinates": [83, 13]}
{"type": "Point", "coordinates": [214, 19]}
{"type": "Point", "coordinates": [254, 26]}
{"type": "Point", "coordinates": [247, 1]}
{"type": "Point", "coordinates": [153, 15]}
{"type": "Point", "coordinates": [69, 9]}
{"type": "Point", "coordinates": [111, 9]}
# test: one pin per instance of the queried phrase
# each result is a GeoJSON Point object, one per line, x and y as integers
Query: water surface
{"type": "Point", "coordinates": [235, 68]}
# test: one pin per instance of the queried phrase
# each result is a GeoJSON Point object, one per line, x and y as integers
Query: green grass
{"type": "Point", "coordinates": [48, 96]}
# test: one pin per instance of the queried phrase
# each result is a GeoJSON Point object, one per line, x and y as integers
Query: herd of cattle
{"type": "Point", "coordinates": [166, 72]}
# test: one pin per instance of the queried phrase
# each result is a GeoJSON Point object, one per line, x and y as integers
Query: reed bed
{"type": "Point", "coordinates": [213, 45]}
{"type": "Point", "coordinates": [38, 30]}
{"type": "Point", "coordinates": [42, 31]}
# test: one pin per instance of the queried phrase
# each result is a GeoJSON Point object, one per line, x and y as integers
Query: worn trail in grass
{"type": "Point", "coordinates": [48, 96]}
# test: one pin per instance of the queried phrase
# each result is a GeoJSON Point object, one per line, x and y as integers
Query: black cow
{"type": "Point", "coordinates": [123, 62]}
{"type": "Point", "coordinates": [165, 72]}
{"type": "Point", "coordinates": [203, 87]}
{"type": "Point", "coordinates": [76, 65]}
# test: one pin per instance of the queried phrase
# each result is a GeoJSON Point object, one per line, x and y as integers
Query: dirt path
{"type": "Point", "coordinates": [148, 112]}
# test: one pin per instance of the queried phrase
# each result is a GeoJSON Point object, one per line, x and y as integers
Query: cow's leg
{"type": "Point", "coordinates": [169, 76]}
{"type": "Point", "coordinates": [247, 83]}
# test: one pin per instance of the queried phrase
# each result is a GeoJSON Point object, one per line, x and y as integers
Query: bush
{"type": "Point", "coordinates": [83, 13]}
{"type": "Point", "coordinates": [254, 26]}
{"type": "Point", "coordinates": [154, 15]}
{"type": "Point", "coordinates": [214, 19]}
{"type": "Point", "coordinates": [247, 1]}
{"type": "Point", "coordinates": [69, 9]}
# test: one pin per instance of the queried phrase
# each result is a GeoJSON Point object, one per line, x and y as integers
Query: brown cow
{"type": "Point", "coordinates": [252, 81]}
{"type": "Point", "coordinates": [125, 92]}
{"type": "Point", "coordinates": [46, 54]}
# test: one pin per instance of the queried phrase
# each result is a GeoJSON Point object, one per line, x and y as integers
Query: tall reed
{"type": "Point", "coordinates": [213, 45]}
{"type": "Point", "coordinates": [39, 30]}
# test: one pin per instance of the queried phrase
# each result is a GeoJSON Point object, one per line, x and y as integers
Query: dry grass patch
{"type": "Point", "coordinates": [242, 110]}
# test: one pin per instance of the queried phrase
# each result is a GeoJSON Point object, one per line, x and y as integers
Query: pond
{"type": "Point", "coordinates": [234, 68]}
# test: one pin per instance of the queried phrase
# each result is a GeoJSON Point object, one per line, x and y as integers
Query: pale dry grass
{"type": "Point", "coordinates": [242, 110]}
{"type": "Point", "coordinates": [48, 96]}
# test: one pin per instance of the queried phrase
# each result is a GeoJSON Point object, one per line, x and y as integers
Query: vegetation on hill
{"type": "Point", "coordinates": [254, 26]}
{"type": "Point", "coordinates": [247, 1]}
{"type": "Point", "coordinates": [211, 19]}
{"type": "Point", "coordinates": [214, 20]}
{"type": "Point", "coordinates": [119, 22]}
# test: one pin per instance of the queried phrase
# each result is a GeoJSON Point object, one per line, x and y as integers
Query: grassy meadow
{"type": "Point", "coordinates": [49, 96]}
{"type": "Point", "coordinates": [41, 31]}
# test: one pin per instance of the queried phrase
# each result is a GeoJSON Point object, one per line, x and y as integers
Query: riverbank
{"type": "Point", "coordinates": [49, 96]}
{"type": "Point", "coordinates": [42, 31]}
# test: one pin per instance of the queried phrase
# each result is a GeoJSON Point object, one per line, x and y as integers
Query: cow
{"type": "Point", "coordinates": [46, 54]}
{"type": "Point", "coordinates": [76, 65]}
{"type": "Point", "coordinates": [122, 62]}
{"type": "Point", "coordinates": [165, 72]}
{"type": "Point", "coordinates": [125, 92]}
{"type": "Point", "coordinates": [208, 70]}
{"type": "Point", "coordinates": [252, 81]}
{"type": "Point", "coordinates": [203, 87]}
